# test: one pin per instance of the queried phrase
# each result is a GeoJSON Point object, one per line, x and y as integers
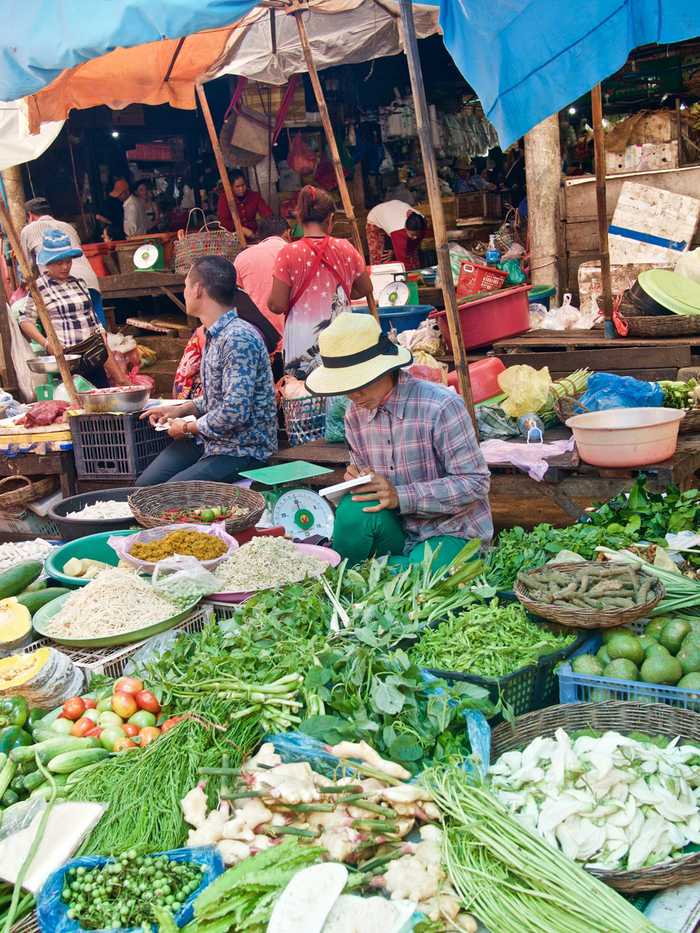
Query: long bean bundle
{"type": "Point", "coordinates": [512, 879]}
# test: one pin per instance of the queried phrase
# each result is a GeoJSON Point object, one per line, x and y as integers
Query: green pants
{"type": "Point", "coordinates": [358, 535]}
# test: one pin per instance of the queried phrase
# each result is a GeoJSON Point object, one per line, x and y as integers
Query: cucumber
{"type": "Point", "coordinates": [62, 743]}
{"type": "Point", "coordinates": [15, 580]}
{"type": "Point", "coordinates": [9, 798]}
{"type": "Point", "coordinates": [44, 790]}
{"type": "Point", "coordinates": [6, 775]}
{"type": "Point", "coordinates": [71, 761]}
{"type": "Point", "coordinates": [37, 585]}
{"type": "Point", "coordinates": [32, 781]}
{"type": "Point", "coordinates": [34, 601]}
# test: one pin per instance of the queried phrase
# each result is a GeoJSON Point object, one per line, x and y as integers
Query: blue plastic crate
{"type": "Point", "coordinates": [582, 688]}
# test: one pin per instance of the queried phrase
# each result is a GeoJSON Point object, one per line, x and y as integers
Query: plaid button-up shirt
{"type": "Point", "coordinates": [422, 440]}
{"type": "Point", "coordinates": [68, 305]}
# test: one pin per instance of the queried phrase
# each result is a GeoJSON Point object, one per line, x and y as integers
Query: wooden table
{"type": "Point", "coordinates": [140, 284]}
{"type": "Point", "coordinates": [568, 488]}
{"type": "Point", "coordinates": [59, 463]}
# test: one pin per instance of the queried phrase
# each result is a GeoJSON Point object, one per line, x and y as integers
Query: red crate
{"type": "Point", "coordinates": [474, 278]}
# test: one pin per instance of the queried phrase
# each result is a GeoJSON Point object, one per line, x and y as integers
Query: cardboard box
{"type": "Point", "coordinates": [642, 210]}
{"type": "Point", "coordinates": [647, 157]}
{"type": "Point", "coordinates": [590, 284]}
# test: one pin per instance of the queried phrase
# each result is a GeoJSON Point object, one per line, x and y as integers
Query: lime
{"type": "Point", "coordinates": [587, 664]}
{"type": "Point", "coordinates": [658, 669]}
{"type": "Point", "coordinates": [609, 633]}
{"type": "Point", "coordinates": [656, 648]}
{"type": "Point", "coordinates": [603, 656]}
{"type": "Point", "coordinates": [690, 681]}
{"type": "Point", "coordinates": [673, 633]}
{"type": "Point", "coordinates": [622, 669]}
{"type": "Point", "coordinates": [689, 654]}
{"type": "Point", "coordinates": [653, 628]}
{"type": "Point", "coordinates": [625, 645]}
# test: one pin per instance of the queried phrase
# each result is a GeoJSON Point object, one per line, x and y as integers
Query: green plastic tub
{"type": "Point", "coordinates": [94, 547]}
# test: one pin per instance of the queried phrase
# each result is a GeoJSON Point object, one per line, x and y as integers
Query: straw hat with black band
{"type": "Point", "coordinates": [354, 353]}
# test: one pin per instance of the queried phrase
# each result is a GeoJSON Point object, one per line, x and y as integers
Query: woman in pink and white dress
{"type": "Point", "coordinates": [314, 278]}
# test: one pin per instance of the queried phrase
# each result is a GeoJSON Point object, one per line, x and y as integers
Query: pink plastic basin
{"type": "Point", "coordinates": [626, 437]}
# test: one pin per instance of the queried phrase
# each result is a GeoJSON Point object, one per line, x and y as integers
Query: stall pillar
{"type": "Point", "coordinates": [602, 207]}
{"type": "Point", "coordinates": [14, 190]}
{"type": "Point", "coordinates": [438, 217]}
{"type": "Point", "coordinates": [543, 173]}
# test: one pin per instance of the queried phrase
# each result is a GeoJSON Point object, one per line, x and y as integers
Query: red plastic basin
{"type": "Point", "coordinates": [501, 314]}
{"type": "Point", "coordinates": [483, 377]}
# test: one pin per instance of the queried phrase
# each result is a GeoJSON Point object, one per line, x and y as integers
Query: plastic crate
{"type": "Point", "coordinates": [114, 445]}
{"type": "Point", "coordinates": [527, 689]}
{"type": "Point", "coordinates": [474, 278]}
{"type": "Point", "coordinates": [582, 688]}
{"type": "Point", "coordinates": [304, 419]}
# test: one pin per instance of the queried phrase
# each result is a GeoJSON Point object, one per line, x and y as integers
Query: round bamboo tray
{"type": "Point", "coordinates": [654, 719]}
{"type": "Point", "coordinates": [149, 502]}
{"type": "Point", "coordinates": [576, 617]}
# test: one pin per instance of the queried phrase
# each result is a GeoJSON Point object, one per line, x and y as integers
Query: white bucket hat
{"type": "Point", "coordinates": [354, 353]}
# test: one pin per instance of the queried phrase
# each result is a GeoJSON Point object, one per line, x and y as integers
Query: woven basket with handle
{"type": "Point", "coordinates": [17, 491]}
{"type": "Point", "coordinates": [654, 719]}
{"type": "Point", "coordinates": [149, 502]}
{"type": "Point", "coordinates": [576, 617]}
{"type": "Point", "coordinates": [673, 325]}
{"type": "Point", "coordinates": [691, 423]}
{"type": "Point", "coordinates": [210, 240]}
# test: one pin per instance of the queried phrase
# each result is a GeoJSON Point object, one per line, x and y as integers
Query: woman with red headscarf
{"type": "Point", "coordinates": [315, 277]}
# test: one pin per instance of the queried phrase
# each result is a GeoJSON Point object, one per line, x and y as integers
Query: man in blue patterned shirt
{"type": "Point", "coordinates": [233, 427]}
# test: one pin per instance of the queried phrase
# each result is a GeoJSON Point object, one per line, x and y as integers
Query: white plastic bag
{"type": "Point", "coordinates": [183, 580]}
{"type": "Point", "coordinates": [688, 265]}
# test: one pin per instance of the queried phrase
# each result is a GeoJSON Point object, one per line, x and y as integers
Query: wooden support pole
{"type": "Point", "coordinates": [543, 170]}
{"type": "Point", "coordinates": [602, 207]}
{"type": "Point", "coordinates": [221, 165]}
{"type": "Point", "coordinates": [13, 182]}
{"type": "Point", "coordinates": [10, 382]}
{"type": "Point", "coordinates": [46, 323]}
{"type": "Point", "coordinates": [332, 144]}
{"type": "Point", "coordinates": [438, 217]}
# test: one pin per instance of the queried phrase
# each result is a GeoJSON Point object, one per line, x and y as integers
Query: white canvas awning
{"type": "Point", "coordinates": [17, 145]}
{"type": "Point", "coordinates": [340, 32]}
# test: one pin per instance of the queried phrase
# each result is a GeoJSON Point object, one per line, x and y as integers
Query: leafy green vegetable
{"type": "Point", "coordinates": [648, 516]}
{"type": "Point", "coordinates": [489, 640]}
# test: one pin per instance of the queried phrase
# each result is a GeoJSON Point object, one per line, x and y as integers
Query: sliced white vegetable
{"type": "Point", "coordinates": [307, 900]}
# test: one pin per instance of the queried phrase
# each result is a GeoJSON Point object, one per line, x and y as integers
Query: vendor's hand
{"type": "Point", "coordinates": [379, 487]}
{"type": "Point", "coordinates": [161, 414]}
{"type": "Point", "coordinates": [387, 255]}
{"type": "Point", "coordinates": [353, 472]}
{"type": "Point", "coordinates": [247, 231]}
{"type": "Point", "coordinates": [179, 428]}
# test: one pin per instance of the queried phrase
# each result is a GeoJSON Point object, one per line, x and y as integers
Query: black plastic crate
{"type": "Point", "coordinates": [527, 689]}
{"type": "Point", "coordinates": [114, 445]}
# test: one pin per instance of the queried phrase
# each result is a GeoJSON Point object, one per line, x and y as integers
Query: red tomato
{"type": "Point", "coordinates": [148, 701]}
{"type": "Point", "coordinates": [124, 704]}
{"type": "Point", "coordinates": [147, 735]}
{"type": "Point", "coordinates": [171, 723]}
{"type": "Point", "coordinates": [123, 744]}
{"type": "Point", "coordinates": [128, 685]}
{"type": "Point", "coordinates": [90, 702]}
{"type": "Point", "coordinates": [130, 729]}
{"type": "Point", "coordinates": [94, 733]}
{"type": "Point", "coordinates": [74, 708]}
{"type": "Point", "coordinates": [82, 727]}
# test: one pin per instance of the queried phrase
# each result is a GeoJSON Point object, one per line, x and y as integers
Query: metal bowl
{"type": "Point", "coordinates": [125, 400]}
{"type": "Point", "coordinates": [47, 365]}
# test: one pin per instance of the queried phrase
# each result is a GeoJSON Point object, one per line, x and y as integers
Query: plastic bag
{"type": "Point", "coordinates": [516, 276]}
{"type": "Point", "coordinates": [688, 265]}
{"type": "Point", "coordinates": [568, 317]}
{"type": "Point", "coordinates": [527, 389]}
{"type": "Point", "coordinates": [52, 911]}
{"type": "Point", "coordinates": [183, 579]}
{"type": "Point", "coordinates": [122, 545]}
{"type": "Point", "coordinates": [157, 645]}
{"type": "Point", "coordinates": [606, 390]}
{"type": "Point", "coordinates": [334, 431]}
{"type": "Point", "coordinates": [301, 159]}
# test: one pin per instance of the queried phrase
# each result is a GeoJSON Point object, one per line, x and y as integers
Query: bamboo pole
{"type": "Point", "coordinates": [332, 145]}
{"type": "Point", "coordinates": [54, 346]}
{"type": "Point", "coordinates": [602, 207]}
{"type": "Point", "coordinates": [438, 217]}
{"type": "Point", "coordinates": [221, 165]}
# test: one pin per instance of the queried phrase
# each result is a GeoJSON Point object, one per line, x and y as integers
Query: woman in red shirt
{"type": "Point", "coordinates": [249, 203]}
{"type": "Point", "coordinates": [394, 232]}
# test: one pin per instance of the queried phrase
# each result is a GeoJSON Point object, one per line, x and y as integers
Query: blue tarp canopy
{"type": "Point", "coordinates": [526, 59]}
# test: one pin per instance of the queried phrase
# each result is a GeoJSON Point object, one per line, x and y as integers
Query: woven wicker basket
{"type": "Point", "coordinates": [149, 502]}
{"type": "Point", "coordinates": [211, 240]}
{"type": "Point", "coordinates": [674, 325]}
{"type": "Point", "coordinates": [691, 423]}
{"type": "Point", "coordinates": [25, 491]}
{"type": "Point", "coordinates": [573, 616]}
{"type": "Point", "coordinates": [654, 719]}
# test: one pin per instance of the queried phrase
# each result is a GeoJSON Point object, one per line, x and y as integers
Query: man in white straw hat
{"type": "Point", "coordinates": [429, 480]}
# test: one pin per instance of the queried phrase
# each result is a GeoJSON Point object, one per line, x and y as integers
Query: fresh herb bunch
{"type": "Point", "coordinates": [679, 394]}
{"type": "Point", "coordinates": [648, 516]}
{"type": "Point", "coordinates": [517, 550]}
{"type": "Point", "coordinates": [384, 699]}
{"type": "Point", "coordinates": [489, 639]}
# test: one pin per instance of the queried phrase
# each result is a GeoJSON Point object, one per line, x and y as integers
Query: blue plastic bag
{"type": "Point", "coordinates": [52, 911]}
{"type": "Point", "coordinates": [606, 390]}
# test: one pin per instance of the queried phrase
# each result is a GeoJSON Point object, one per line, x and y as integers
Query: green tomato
{"type": "Point", "coordinates": [108, 718]}
{"type": "Point", "coordinates": [105, 704]}
{"type": "Point", "coordinates": [109, 736]}
{"type": "Point", "coordinates": [142, 719]}
{"type": "Point", "coordinates": [91, 714]}
{"type": "Point", "coordinates": [61, 726]}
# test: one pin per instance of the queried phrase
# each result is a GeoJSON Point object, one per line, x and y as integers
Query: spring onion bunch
{"type": "Point", "coordinates": [512, 879]}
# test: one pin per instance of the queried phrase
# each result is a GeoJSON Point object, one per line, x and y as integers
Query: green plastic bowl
{"type": "Point", "coordinates": [94, 547]}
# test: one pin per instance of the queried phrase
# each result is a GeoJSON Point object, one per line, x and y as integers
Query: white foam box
{"type": "Point", "coordinates": [664, 214]}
